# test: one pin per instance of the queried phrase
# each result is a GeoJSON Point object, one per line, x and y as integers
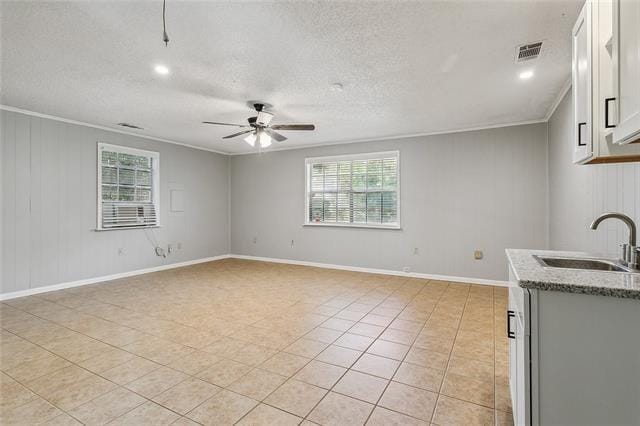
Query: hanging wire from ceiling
{"type": "Point", "coordinates": [165, 37]}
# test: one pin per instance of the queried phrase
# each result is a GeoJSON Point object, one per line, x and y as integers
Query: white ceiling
{"type": "Point", "coordinates": [406, 67]}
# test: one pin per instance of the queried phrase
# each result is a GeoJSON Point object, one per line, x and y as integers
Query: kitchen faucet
{"type": "Point", "coordinates": [630, 252]}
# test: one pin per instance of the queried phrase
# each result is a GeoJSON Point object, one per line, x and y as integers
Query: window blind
{"type": "Point", "coordinates": [359, 190]}
{"type": "Point", "coordinates": [127, 187]}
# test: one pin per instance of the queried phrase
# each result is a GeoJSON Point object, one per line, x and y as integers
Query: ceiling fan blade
{"type": "Point", "coordinates": [224, 124]}
{"type": "Point", "coordinates": [237, 134]}
{"type": "Point", "coordinates": [275, 135]}
{"type": "Point", "coordinates": [293, 127]}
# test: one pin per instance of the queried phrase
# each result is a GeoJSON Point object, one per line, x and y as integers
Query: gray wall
{"type": "Point", "coordinates": [460, 192]}
{"type": "Point", "coordinates": [577, 194]}
{"type": "Point", "coordinates": [49, 205]}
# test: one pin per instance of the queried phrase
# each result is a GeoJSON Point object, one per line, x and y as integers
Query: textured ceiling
{"type": "Point", "coordinates": [406, 67]}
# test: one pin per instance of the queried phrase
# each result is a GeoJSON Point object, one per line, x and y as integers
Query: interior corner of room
{"type": "Point", "coordinates": [313, 196]}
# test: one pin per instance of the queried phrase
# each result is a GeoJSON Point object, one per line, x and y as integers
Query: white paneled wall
{"type": "Point", "coordinates": [578, 193]}
{"type": "Point", "coordinates": [49, 205]}
{"type": "Point", "coordinates": [460, 192]}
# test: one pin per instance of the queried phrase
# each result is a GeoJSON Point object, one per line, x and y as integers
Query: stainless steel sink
{"type": "Point", "coordinates": [580, 263]}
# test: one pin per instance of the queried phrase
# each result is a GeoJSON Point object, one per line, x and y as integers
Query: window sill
{"type": "Point", "coordinates": [126, 227]}
{"type": "Point", "coordinates": [353, 225]}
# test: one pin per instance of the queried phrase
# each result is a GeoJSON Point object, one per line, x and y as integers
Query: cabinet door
{"type": "Point", "coordinates": [626, 51]}
{"type": "Point", "coordinates": [581, 78]}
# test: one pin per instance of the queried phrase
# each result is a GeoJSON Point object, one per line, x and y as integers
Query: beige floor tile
{"type": "Point", "coordinates": [107, 360]}
{"type": "Point", "coordinates": [426, 358]}
{"type": "Point", "coordinates": [361, 386]}
{"type": "Point", "coordinates": [336, 409]}
{"type": "Point", "coordinates": [410, 326]}
{"type": "Point", "coordinates": [451, 411]}
{"type": "Point", "coordinates": [76, 348]}
{"type": "Point", "coordinates": [130, 370]}
{"type": "Point", "coordinates": [70, 387]}
{"type": "Point", "coordinates": [420, 377]}
{"type": "Point", "coordinates": [265, 415]}
{"type": "Point", "coordinates": [468, 389]}
{"type": "Point", "coordinates": [284, 364]}
{"type": "Point", "coordinates": [253, 355]}
{"type": "Point", "coordinates": [306, 348]}
{"type": "Point", "coordinates": [376, 320]}
{"type": "Point", "coordinates": [186, 395]}
{"type": "Point", "coordinates": [224, 408]}
{"type": "Point", "coordinates": [156, 382]}
{"type": "Point", "coordinates": [503, 395]}
{"type": "Point", "coordinates": [473, 368]}
{"type": "Point", "coordinates": [224, 372]}
{"type": "Point", "coordinates": [388, 349]}
{"type": "Point", "coordinates": [184, 421]}
{"type": "Point", "coordinates": [34, 412]}
{"type": "Point", "coordinates": [148, 413]}
{"type": "Point", "coordinates": [62, 420]}
{"type": "Point", "coordinates": [226, 347]}
{"type": "Point", "coordinates": [503, 419]}
{"type": "Point", "coordinates": [296, 397]}
{"type": "Point", "coordinates": [399, 336]}
{"type": "Point", "coordinates": [324, 335]}
{"type": "Point", "coordinates": [338, 324]}
{"type": "Point", "coordinates": [107, 407]}
{"type": "Point", "coordinates": [13, 394]}
{"type": "Point", "coordinates": [368, 330]}
{"type": "Point", "coordinates": [257, 384]}
{"type": "Point", "coordinates": [195, 362]}
{"type": "Point", "coordinates": [383, 417]}
{"type": "Point", "coordinates": [409, 400]}
{"type": "Point", "coordinates": [320, 374]}
{"type": "Point", "coordinates": [376, 365]}
{"type": "Point", "coordinates": [337, 355]}
{"type": "Point", "coordinates": [354, 341]}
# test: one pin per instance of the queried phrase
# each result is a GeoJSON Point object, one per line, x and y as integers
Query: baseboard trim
{"type": "Point", "coordinates": [480, 281]}
{"type": "Point", "coordinates": [61, 286]}
{"type": "Point", "coordinates": [71, 284]}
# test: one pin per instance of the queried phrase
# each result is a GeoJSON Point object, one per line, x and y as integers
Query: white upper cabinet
{"type": "Point", "coordinates": [626, 73]}
{"type": "Point", "coordinates": [581, 81]}
{"type": "Point", "coordinates": [606, 88]}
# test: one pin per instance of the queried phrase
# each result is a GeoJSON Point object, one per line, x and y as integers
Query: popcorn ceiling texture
{"type": "Point", "coordinates": [406, 67]}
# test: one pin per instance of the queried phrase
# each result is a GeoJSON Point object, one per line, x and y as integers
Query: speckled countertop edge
{"type": "Point", "coordinates": [531, 274]}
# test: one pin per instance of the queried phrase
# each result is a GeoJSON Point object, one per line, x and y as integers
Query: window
{"type": "Point", "coordinates": [127, 187]}
{"type": "Point", "coordinates": [354, 190]}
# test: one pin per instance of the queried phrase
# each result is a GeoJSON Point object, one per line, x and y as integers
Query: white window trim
{"type": "Point", "coordinates": [155, 185]}
{"type": "Point", "coordinates": [350, 157]}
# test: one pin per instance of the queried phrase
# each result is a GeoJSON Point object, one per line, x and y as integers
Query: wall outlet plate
{"type": "Point", "coordinates": [477, 255]}
{"type": "Point", "coordinates": [406, 269]}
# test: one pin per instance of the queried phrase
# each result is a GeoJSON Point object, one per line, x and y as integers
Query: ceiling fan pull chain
{"type": "Point", "coordinates": [165, 37]}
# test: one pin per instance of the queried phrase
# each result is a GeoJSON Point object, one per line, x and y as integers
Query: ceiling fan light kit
{"type": "Point", "coordinates": [260, 130]}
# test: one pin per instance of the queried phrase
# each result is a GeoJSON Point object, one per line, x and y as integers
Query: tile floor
{"type": "Point", "coordinates": [256, 343]}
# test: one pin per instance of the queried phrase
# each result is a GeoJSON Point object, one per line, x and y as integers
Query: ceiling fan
{"type": "Point", "coordinates": [259, 129]}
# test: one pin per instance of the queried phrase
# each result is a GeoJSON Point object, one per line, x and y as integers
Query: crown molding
{"type": "Point", "coordinates": [108, 129]}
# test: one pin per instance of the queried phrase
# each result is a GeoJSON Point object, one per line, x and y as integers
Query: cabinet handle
{"type": "Point", "coordinates": [606, 113]}
{"type": "Point", "coordinates": [580, 134]}
{"type": "Point", "coordinates": [510, 334]}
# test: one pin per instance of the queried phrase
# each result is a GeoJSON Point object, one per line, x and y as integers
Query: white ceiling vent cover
{"type": "Point", "coordinates": [527, 52]}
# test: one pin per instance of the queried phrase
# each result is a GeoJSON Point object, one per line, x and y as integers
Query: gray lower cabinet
{"type": "Point", "coordinates": [574, 358]}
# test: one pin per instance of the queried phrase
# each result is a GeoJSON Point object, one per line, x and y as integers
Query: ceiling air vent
{"type": "Point", "coordinates": [526, 52]}
{"type": "Point", "coordinates": [130, 126]}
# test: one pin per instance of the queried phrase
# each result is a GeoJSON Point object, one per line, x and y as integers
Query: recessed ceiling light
{"type": "Point", "coordinates": [525, 75]}
{"type": "Point", "coordinates": [161, 69]}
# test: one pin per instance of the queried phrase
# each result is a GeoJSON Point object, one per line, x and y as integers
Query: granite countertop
{"type": "Point", "coordinates": [531, 274]}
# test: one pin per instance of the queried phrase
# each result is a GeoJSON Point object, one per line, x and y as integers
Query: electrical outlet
{"type": "Point", "coordinates": [169, 248]}
{"type": "Point", "coordinates": [406, 269]}
{"type": "Point", "coordinates": [121, 251]}
{"type": "Point", "coordinates": [415, 250]}
{"type": "Point", "coordinates": [291, 243]}
{"type": "Point", "coordinates": [255, 240]}
{"type": "Point", "coordinates": [478, 255]}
